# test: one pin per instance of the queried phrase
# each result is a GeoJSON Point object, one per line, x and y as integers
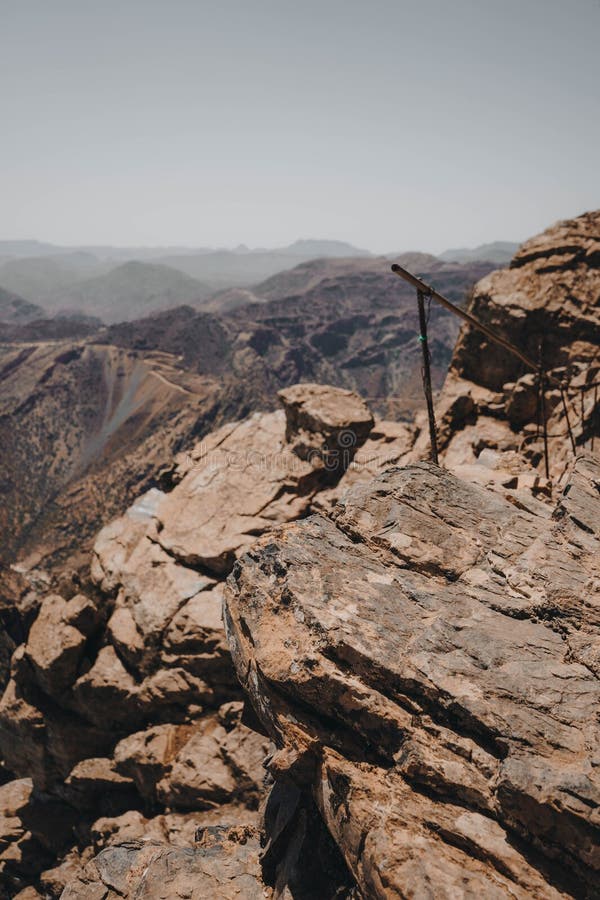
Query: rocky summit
{"type": "Point", "coordinates": [308, 664]}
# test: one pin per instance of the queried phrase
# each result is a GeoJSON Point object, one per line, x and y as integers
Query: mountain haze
{"type": "Point", "coordinates": [131, 290]}
{"type": "Point", "coordinates": [498, 252]}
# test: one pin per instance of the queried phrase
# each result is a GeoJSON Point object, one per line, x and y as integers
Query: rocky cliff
{"type": "Point", "coordinates": [546, 303]}
{"type": "Point", "coordinates": [413, 652]}
{"type": "Point", "coordinates": [121, 717]}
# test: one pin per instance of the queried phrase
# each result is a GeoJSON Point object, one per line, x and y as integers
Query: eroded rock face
{"type": "Point", "coordinates": [121, 703]}
{"type": "Point", "coordinates": [424, 661]}
{"type": "Point", "coordinates": [547, 304]}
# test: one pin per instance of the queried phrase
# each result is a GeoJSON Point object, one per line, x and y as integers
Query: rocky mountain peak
{"type": "Point", "coordinates": [412, 651]}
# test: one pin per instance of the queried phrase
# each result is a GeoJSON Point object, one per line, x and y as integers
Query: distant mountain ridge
{"type": "Point", "coordinates": [121, 284]}
{"type": "Point", "coordinates": [53, 276]}
{"type": "Point", "coordinates": [15, 310]}
{"type": "Point", "coordinates": [20, 249]}
{"type": "Point", "coordinates": [499, 252]}
{"type": "Point", "coordinates": [131, 290]}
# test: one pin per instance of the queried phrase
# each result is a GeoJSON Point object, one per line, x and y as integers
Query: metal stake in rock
{"type": "Point", "coordinates": [426, 371]}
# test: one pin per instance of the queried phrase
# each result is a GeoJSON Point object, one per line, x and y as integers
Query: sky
{"type": "Point", "coordinates": [391, 125]}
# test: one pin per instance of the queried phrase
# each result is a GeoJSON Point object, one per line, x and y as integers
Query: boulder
{"type": "Point", "coordinates": [220, 763]}
{"type": "Point", "coordinates": [325, 425]}
{"type": "Point", "coordinates": [234, 492]}
{"type": "Point", "coordinates": [44, 744]}
{"type": "Point", "coordinates": [95, 783]}
{"type": "Point", "coordinates": [147, 756]}
{"type": "Point", "coordinates": [56, 645]}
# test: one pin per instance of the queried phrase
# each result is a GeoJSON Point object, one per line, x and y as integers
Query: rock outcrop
{"type": "Point", "coordinates": [427, 663]}
{"type": "Point", "coordinates": [547, 304]}
{"type": "Point", "coordinates": [121, 712]}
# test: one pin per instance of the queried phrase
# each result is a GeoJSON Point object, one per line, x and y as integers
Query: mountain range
{"type": "Point", "coordinates": [498, 252]}
{"type": "Point", "coordinates": [119, 284]}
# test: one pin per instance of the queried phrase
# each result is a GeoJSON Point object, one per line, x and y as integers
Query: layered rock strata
{"type": "Point", "coordinates": [121, 717]}
{"type": "Point", "coordinates": [427, 663]}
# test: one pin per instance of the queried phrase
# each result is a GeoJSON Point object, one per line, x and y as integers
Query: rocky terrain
{"type": "Point", "coordinates": [89, 418]}
{"type": "Point", "coordinates": [402, 698]}
{"type": "Point", "coordinates": [121, 716]}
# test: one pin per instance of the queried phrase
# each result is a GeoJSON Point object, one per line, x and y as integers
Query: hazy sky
{"type": "Point", "coordinates": [393, 125]}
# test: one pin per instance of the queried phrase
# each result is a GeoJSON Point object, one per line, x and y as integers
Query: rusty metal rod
{"type": "Point", "coordinates": [594, 414]}
{"type": "Point", "coordinates": [566, 411]}
{"type": "Point", "coordinates": [544, 421]}
{"type": "Point", "coordinates": [427, 376]}
{"type": "Point", "coordinates": [471, 320]}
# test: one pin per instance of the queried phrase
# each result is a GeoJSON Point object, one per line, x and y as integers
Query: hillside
{"type": "Point", "coordinates": [15, 310]}
{"type": "Point", "coordinates": [39, 279]}
{"type": "Point", "coordinates": [129, 291]}
{"type": "Point", "coordinates": [307, 275]}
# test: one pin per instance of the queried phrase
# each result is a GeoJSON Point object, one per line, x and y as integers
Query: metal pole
{"type": "Point", "coordinates": [427, 375]}
{"type": "Point", "coordinates": [594, 414]}
{"type": "Point", "coordinates": [544, 422]}
{"type": "Point", "coordinates": [566, 411]}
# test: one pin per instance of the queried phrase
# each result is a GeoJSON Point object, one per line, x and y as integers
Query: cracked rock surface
{"type": "Point", "coordinates": [121, 715]}
{"type": "Point", "coordinates": [426, 662]}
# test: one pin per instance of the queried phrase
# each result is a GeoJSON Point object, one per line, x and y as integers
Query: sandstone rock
{"type": "Point", "coordinates": [53, 881]}
{"type": "Point", "coordinates": [94, 783]}
{"type": "Point", "coordinates": [117, 540]}
{"type": "Point", "coordinates": [55, 646]}
{"type": "Point", "coordinates": [33, 827]}
{"type": "Point", "coordinates": [548, 298]}
{"type": "Point", "coordinates": [152, 588]}
{"type": "Point", "coordinates": [215, 766]}
{"type": "Point", "coordinates": [107, 694]}
{"type": "Point", "coordinates": [389, 444]}
{"type": "Point", "coordinates": [28, 893]}
{"type": "Point", "coordinates": [14, 798]}
{"type": "Point", "coordinates": [178, 829]}
{"type": "Point", "coordinates": [235, 492]}
{"type": "Point", "coordinates": [226, 865]}
{"type": "Point", "coordinates": [43, 746]}
{"type": "Point", "coordinates": [147, 756]}
{"type": "Point", "coordinates": [195, 640]}
{"type": "Point", "coordinates": [415, 660]}
{"type": "Point", "coordinates": [325, 425]}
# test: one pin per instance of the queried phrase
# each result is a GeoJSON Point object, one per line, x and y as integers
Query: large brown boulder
{"type": "Point", "coordinates": [427, 664]}
{"type": "Point", "coordinates": [325, 425]}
